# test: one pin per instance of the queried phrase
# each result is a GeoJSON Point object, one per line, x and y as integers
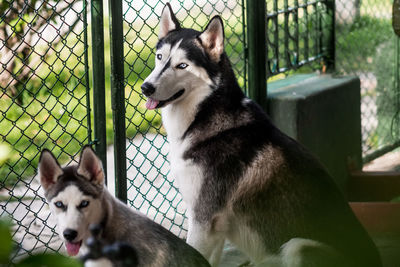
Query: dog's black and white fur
{"type": "Point", "coordinates": [242, 178]}
{"type": "Point", "coordinates": [77, 198]}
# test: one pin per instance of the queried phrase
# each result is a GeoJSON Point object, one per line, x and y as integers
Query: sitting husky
{"type": "Point", "coordinates": [242, 178]}
{"type": "Point", "coordinates": [78, 198]}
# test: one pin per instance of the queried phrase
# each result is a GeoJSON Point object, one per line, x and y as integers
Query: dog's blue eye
{"type": "Point", "coordinates": [59, 205]}
{"type": "Point", "coordinates": [159, 56]}
{"type": "Point", "coordinates": [181, 66]}
{"type": "Point", "coordinates": [83, 204]}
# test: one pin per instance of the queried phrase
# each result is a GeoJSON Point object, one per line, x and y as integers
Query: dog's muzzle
{"type": "Point", "coordinates": [70, 234]}
{"type": "Point", "coordinates": [148, 89]}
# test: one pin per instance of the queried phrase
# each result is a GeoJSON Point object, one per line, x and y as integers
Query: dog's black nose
{"type": "Point", "coordinates": [70, 234]}
{"type": "Point", "coordinates": [148, 89]}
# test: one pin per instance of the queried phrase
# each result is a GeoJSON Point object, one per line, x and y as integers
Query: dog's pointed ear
{"type": "Point", "coordinates": [168, 22]}
{"type": "Point", "coordinates": [90, 166]}
{"type": "Point", "coordinates": [212, 38]}
{"type": "Point", "coordinates": [49, 169]}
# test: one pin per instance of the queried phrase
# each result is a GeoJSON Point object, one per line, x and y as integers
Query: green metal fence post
{"type": "Point", "coordinates": [86, 62]}
{"type": "Point", "coordinates": [118, 97]}
{"type": "Point", "coordinates": [256, 40]}
{"type": "Point", "coordinates": [99, 106]}
{"type": "Point", "coordinates": [331, 58]}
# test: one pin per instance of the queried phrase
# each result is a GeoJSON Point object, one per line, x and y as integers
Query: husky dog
{"type": "Point", "coordinates": [242, 178]}
{"type": "Point", "coordinates": [77, 197]}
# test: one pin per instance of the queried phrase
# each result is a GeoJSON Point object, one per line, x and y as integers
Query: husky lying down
{"type": "Point", "coordinates": [78, 198]}
{"type": "Point", "coordinates": [242, 178]}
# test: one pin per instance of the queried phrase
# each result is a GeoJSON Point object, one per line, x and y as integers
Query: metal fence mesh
{"type": "Point", "coordinates": [366, 47]}
{"type": "Point", "coordinates": [150, 187]}
{"type": "Point", "coordinates": [43, 103]}
{"type": "Point", "coordinates": [298, 34]}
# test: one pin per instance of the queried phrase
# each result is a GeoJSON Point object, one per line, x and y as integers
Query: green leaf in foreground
{"type": "Point", "coordinates": [396, 199]}
{"type": "Point", "coordinates": [5, 241]}
{"type": "Point", "coordinates": [49, 260]}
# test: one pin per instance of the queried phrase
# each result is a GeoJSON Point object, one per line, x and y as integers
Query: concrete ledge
{"type": "Point", "coordinates": [322, 113]}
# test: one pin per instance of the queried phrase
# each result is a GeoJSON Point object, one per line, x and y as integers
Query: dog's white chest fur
{"type": "Point", "coordinates": [176, 120]}
{"type": "Point", "coordinates": [187, 174]}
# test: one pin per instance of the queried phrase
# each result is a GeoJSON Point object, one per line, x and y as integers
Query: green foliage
{"type": "Point", "coordinates": [53, 119]}
{"type": "Point", "coordinates": [366, 46]}
{"type": "Point", "coordinates": [48, 260]}
{"type": "Point", "coordinates": [40, 260]}
{"type": "Point", "coordinates": [386, 99]}
{"type": "Point", "coordinates": [396, 199]}
{"type": "Point", "coordinates": [5, 241]}
{"type": "Point", "coordinates": [5, 151]}
{"type": "Point", "coordinates": [359, 42]}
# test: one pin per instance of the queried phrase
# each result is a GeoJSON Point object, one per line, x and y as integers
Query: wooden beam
{"type": "Point", "coordinates": [373, 186]}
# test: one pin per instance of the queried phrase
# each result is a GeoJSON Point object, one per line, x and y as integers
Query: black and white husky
{"type": "Point", "coordinates": [241, 178]}
{"type": "Point", "coordinates": [78, 198]}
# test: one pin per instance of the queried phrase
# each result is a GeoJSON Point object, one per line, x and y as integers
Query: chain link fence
{"type": "Point", "coordinates": [43, 103]}
{"type": "Point", "coordinates": [367, 47]}
{"type": "Point", "coordinates": [299, 33]}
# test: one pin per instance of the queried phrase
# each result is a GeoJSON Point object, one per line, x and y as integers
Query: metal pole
{"type": "Point", "coordinates": [87, 83]}
{"type": "Point", "coordinates": [99, 107]}
{"type": "Point", "coordinates": [257, 50]}
{"type": "Point", "coordinates": [245, 78]}
{"type": "Point", "coordinates": [331, 60]}
{"type": "Point", "coordinates": [118, 97]}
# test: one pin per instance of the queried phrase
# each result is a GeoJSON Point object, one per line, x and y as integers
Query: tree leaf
{"type": "Point", "coordinates": [5, 241]}
{"type": "Point", "coordinates": [49, 260]}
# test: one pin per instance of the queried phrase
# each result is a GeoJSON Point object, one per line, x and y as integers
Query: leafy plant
{"type": "Point", "coordinates": [5, 241]}
{"type": "Point", "coordinates": [40, 260]}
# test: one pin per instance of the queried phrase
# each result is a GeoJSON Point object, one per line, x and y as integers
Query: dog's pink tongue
{"type": "Point", "coordinates": [73, 248]}
{"type": "Point", "coordinates": [151, 103]}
